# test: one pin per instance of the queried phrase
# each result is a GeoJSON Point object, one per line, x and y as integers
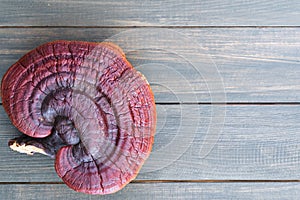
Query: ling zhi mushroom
{"type": "Point", "coordinates": [83, 104]}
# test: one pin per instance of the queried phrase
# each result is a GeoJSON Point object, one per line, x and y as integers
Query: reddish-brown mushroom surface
{"type": "Point", "coordinates": [83, 104]}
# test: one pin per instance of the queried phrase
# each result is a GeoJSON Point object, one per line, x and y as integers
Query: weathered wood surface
{"type": "Point", "coordinates": [242, 55]}
{"type": "Point", "coordinates": [149, 13]}
{"type": "Point", "coordinates": [247, 191]}
{"type": "Point", "coordinates": [196, 65]}
{"type": "Point", "coordinates": [255, 143]}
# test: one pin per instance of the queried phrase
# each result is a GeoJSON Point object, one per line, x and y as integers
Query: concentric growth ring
{"type": "Point", "coordinates": [98, 104]}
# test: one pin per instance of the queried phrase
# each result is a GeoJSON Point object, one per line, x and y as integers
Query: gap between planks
{"type": "Point", "coordinates": [166, 181]}
{"type": "Point", "coordinates": [226, 103]}
{"type": "Point", "coordinates": [166, 27]}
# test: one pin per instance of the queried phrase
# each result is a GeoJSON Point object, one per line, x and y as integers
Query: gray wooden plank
{"type": "Point", "coordinates": [194, 142]}
{"type": "Point", "coordinates": [190, 65]}
{"type": "Point", "coordinates": [161, 191]}
{"type": "Point", "coordinates": [149, 13]}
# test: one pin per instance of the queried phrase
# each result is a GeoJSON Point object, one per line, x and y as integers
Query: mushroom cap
{"type": "Point", "coordinates": [109, 107]}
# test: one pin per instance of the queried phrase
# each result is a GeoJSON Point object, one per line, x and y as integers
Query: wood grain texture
{"type": "Point", "coordinates": [206, 65]}
{"type": "Point", "coordinates": [255, 143]}
{"type": "Point", "coordinates": [246, 53]}
{"type": "Point", "coordinates": [149, 13]}
{"type": "Point", "coordinates": [247, 191]}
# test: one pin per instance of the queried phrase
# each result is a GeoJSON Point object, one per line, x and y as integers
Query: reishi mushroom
{"type": "Point", "coordinates": [83, 104]}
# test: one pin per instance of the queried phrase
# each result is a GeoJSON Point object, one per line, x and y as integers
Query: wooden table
{"type": "Point", "coordinates": [226, 80]}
